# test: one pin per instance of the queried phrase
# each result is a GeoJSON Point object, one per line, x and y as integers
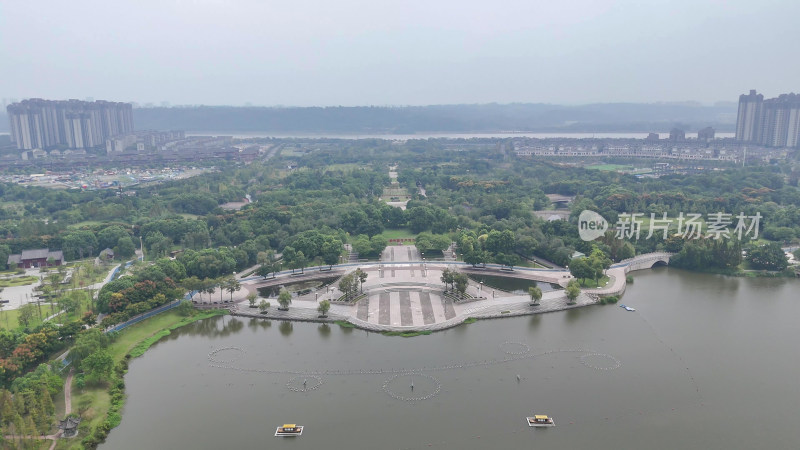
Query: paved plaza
{"type": "Point", "coordinates": [405, 308]}
{"type": "Point", "coordinates": [404, 293]}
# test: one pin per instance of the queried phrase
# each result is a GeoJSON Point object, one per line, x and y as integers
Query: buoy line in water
{"type": "Point", "coordinates": [227, 364]}
{"type": "Point", "coordinates": [524, 348]}
{"type": "Point", "coordinates": [615, 362]}
{"type": "Point", "coordinates": [436, 383]}
{"type": "Point", "coordinates": [212, 355]}
{"type": "Point", "coordinates": [306, 387]}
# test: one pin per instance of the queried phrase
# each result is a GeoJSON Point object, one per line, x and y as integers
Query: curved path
{"type": "Point", "coordinates": [405, 294]}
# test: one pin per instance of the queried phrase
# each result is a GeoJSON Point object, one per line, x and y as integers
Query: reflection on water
{"type": "Point", "coordinates": [324, 330]}
{"type": "Point", "coordinates": [536, 319]}
{"type": "Point", "coordinates": [296, 288]}
{"type": "Point", "coordinates": [513, 285]}
{"type": "Point", "coordinates": [286, 327]}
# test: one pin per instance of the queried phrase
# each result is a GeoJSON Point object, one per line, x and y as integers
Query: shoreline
{"type": "Point", "coordinates": [104, 423]}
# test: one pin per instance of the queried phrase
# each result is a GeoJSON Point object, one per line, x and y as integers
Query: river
{"type": "Point", "coordinates": [426, 135]}
{"type": "Point", "coordinates": [705, 361]}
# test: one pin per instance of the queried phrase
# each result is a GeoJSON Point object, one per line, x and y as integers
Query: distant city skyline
{"type": "Point", "coordinates": [39, 123]}
{"type": "Point", "coordinates": [355, 52]}
{"type": "Point", "coordinates": [774, 122]}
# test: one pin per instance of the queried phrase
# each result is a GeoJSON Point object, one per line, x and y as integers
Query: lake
{"type": "Point", "coordinates": [705, 361]}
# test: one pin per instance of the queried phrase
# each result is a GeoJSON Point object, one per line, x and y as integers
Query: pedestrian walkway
{"type": "Point", "coordinates": [405, 293]}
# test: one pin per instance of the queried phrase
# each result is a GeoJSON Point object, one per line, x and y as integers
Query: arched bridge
{"type": "Point", "coordinates": [644, 261]}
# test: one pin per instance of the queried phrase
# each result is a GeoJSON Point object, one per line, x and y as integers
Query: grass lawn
{"type": "Point", "coordinates": [525, 263]}
{"type": "Point", "coordinates": [589, 283]}
{"type": "Point", "coordinates": [610, 167]}
{"type": "Point", "coordinates": [18, 281]}
{"type": "Point", "coordinates": [9, 318]}
{"type": "Point", "coordinates": [395, 192]}
{"type": "Point", "coordinates": [100, 402]}
{"type": "Point", "coordinates": [91, 274]}
{"type": "Point", "coordinates": [130, 337]}
{"type": "Point", "coordinates": [398, 233]}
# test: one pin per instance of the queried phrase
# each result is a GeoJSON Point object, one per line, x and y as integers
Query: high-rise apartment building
{"type": "Point", "coordinates": [37, 123]}
{"type": "Point", "coordinates": [749, 116]}
{"type": "Point", "coordinates": [706, 134]}
{"type": "Point", "coordinates": [676, 134]}
{"type": "Point", "coordinates": [774, 122]}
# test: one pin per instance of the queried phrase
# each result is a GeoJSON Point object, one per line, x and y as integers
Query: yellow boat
{"type": "Point", "coordinates": [540, 420]}
{"type": "Point", "coordinates": [289, 429]}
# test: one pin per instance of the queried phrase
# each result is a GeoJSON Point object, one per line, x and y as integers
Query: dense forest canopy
{"type": "Point", "coordinates": [335, 188]}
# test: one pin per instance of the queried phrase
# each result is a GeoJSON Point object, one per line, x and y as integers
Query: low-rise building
{"type": "Point", "coordinates": [41, 257]}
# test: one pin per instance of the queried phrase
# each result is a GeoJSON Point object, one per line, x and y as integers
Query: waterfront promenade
{"type": "Point", "coordinates": [404, 293]}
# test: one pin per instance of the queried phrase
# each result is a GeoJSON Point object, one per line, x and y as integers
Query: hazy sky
{"type": "Point", "coordinates": [408, 52]}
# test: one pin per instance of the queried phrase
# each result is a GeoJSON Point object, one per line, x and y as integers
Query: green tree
{"type": "Point", "coordinates": [448, 277]}
{"type": "Point", "coordinates": [768, 257]}
{"type": "Point", "coordinates": [232, 285]}
{"type": "Point", "coordinates": [263, 306]}
{"type": "Point", "coordinates": [98, 366]}
{"type": "Point", "coordinates": [125, 248]}
{"type": "Point", "coordinates": [70, 303]}
{"type": "Point", "coordinates": [289, 256]}
{"type": "Point", "coordinates": [251, 298]}
{"type": "Point", "coordinates": [5, 252]}
{"type": "Point", "coordinates": [461, 282]}
{"type": "Point", "coordinates": [27, 312]}
{"type": "Point", "coordinates": [501, 242]}
{"type": "Point", "coordinates": [284, 299]}
{"type": "Point", "coordinates": [79, 244]}
{"type": "Point", "coordinates": [573, 290]}
{"type": "Point", "coordinates": [347, 285]}
{"type": "Point", "coordinates": [536, 294]}
{"type": "Point", "coordinates": [362, 245]}
{"type": "Point", "coordinates": [361, 277]}
{"type": "Point", "coordinates": [598, 263]}
{"type": "Point", "coordinates": [378, 243]}
{"type": "Point", "coordinates": [109, 236]}
{"type": "Point", "coordinates": [420, 218]}
{"type": "Point", "coordinates": [331, 249]}
{"type": "Point", "coordinates": [87, 342]}
{"type": "Point", "coordinates": [580, 268]}
{"type": "Point", "coordinates": [300, 261]}
{"type": "Point", "coordinates": [192, 284]}
{"type": "Point", "coordinates": [185, 308]}
{"type": "Point", "coordinates": [323, 308]}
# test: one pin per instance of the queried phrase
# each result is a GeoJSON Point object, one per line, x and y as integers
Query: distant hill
{"type": "Point", "coordinates": [601, 117]}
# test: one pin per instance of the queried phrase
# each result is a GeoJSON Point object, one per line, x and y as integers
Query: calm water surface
{"type": "Point", "coordinates": [706, 362]}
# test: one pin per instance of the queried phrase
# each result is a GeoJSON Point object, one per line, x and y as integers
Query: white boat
{"type": "Point", "coordinates": [627, 308]}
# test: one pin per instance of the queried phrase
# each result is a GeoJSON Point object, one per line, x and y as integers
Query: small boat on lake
{"type": "Point", "coordinates": [540, 420]}
{"type": "Point", "coordinates": [627, 308]}
{"type": "Point", "coordinates": [289, 429]}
